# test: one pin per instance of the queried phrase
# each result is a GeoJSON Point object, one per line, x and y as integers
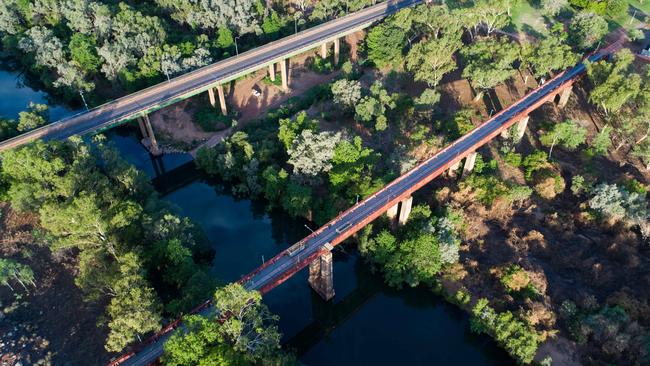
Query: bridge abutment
{"type": "Point", "coordinates": [147, 134]}
{"type": "Point", "coordinates": [470, 160]}
{"type": "Point", "coordinates": [321, 276]}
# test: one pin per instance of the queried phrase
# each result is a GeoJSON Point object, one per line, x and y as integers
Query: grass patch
{"type": "Point", "coordinates": [526, 18]}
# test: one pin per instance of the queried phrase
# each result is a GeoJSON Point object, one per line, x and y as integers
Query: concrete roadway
{"type": "Point", "coordinates": [155, 97]}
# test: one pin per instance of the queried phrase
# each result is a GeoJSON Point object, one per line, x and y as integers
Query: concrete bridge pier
{"type": "Point", "coordinates": [521, 127]}
{"type": "Point", "coordinates": [222, 100]}
{"type": "Point", "coordinates": [401, 211]}
{"type": "Point", "coordinates": [337, 50]}
{"type": "Point", "coordinates": [564, 97]}
{"type": "Point", "coordinates": [323, 50]}
{"type": "Point", "coordinates": [213, 100]}
{"type": "Point", "coordinates": [284, 75]}
{"type": "Point", "coordinates": [272, 71]}
{"type": "Point", "coordinates": [147, 133]}
{"type": "Point", "coordinates": [470, 160]}
{"type": "Point", "coordinates": [321, 276]}
{"type": "Point", "coordinates": [405, 210]}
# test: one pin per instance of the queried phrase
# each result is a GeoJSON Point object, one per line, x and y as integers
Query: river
{"type": "Point", "coordinates": [367, 323]}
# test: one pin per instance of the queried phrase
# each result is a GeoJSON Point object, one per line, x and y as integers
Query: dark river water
{"type": "Point", "coordinates": [366, 323]}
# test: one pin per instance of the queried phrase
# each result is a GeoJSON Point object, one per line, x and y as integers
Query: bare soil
{"type": "Point", "coordinates": [49, 324]}
{"type": "Point", "coordinates": [567, 255]}
{"type": "Point", "coordinates": [176, 124]}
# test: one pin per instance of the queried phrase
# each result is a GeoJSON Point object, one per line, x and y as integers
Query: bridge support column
{"type": "Point", "coordinates": [213, 101]}
{"type": "Point", "coordinates": [284, 75]}
{"type": "Point", "coordinates": [469, 163]}
{"type": "Point", "coordinates": [321, 276]}
{"type": "Point", "coordinates": [147, 133]}
{"type": "Point", "coordinates": [272, 72]}
{"type": "Point", "coordinates": [222, 100]}
{"type": "Point", "coordinates": [337, 49]}
{"type": "Point", "coordinates": [323, 50]}
{"type": "Point", "coordinates": [564, 97]}
{"type": "Point", "coordinates": [405, 210]}
{"type": "Point", "coordinates": [521, 127]}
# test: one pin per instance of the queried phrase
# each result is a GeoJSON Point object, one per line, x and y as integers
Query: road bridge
{"type": "Point", "coordinates": [315, 250]}
{"type": "Point", "coordinates": [209, 78]}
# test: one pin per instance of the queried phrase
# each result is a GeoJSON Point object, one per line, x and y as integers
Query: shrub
{"type": "Point", "coordinates": [320, 65]}
{"type": "Point", "coordinates": [533, 162]}
{"type": "Point", "coordinates": [579, 185]}
{"type": "Point", "coordinates": [513, 159]}
{"type": "Point", "coordinates": [513, 334]}
{"type": "Point", "coordinates": [548, 184]}
{"type": "Point", "coordinates": [210, 120]}
{"type": "Point", "coordinates": [514, 278]}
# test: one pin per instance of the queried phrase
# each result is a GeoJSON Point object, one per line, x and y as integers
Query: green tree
{"type": "Point", "coordinates": [249, 326]}
{"type": "Point", "coordinates": [83, 50]}
{"type": "Point", "coordinates": [8, 128]}
{"type": "Point", "coordinates": [489, 62]}
{"type": "Point", "coordinates": [614, 84]}
{"type": "Point", "coordinates": [386, 45]}
{"type": "Point", "coordinates": [549, 55]}
{"type": "Point", "coordinates": [602, 141]}
{"type": "Point", "coordinates": [430, 60]}
{"type": "Point", "coordinates": [134, 309]}
{"type": "Point", "coordinates": [13, 271]}
{"type": "Point", "coordinates": [297, 199]}
{"type": "Point", "coordinates": [311, 154]}
{"type": "Point", "coordinates": [36, 116]}
{"type": "Point", "coordinates": [568, 134]}
{"type": "Point", "coordinates": [346, 93]}
{"type": "Point", "coordinates": [587, 29]}
{"type": "Point", "coordinates": [352, 166]}
{"type": "Point", "coordinates": [290, 128]}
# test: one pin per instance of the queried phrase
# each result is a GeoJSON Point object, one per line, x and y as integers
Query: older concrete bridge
{"type": "Point", "coordinates": [210, 79]}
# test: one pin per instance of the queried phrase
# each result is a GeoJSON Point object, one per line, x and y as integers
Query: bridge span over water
{"type": "Point", "coordinates": [315, 250]}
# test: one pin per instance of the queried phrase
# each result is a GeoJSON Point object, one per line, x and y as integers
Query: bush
{"type": "Point", "coordinates": [513, 159]}
{"type": "Point", "coordinates": [533, 162]}
{"type": "Point", "coordinates": [514, 278]}
{"type": "Point", "coordinates": [548, 184]}
{"type": "Point", "coordinates": [320, 65]}
{"type": "Point", "coordinates": [211, 120]}
{"type": "Point", "coordinates": [513, 334]}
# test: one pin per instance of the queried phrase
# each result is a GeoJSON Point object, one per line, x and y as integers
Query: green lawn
{"type": "Point", "coordinates": [525, 18]}
{"type": "Point", "coordinates": [626, 21]}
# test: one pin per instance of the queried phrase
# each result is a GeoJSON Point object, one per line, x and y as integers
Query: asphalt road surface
{"type": "Point", "coordinates": [132, 105]}
{"type": "Point", "coordinates": [372, 204]}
